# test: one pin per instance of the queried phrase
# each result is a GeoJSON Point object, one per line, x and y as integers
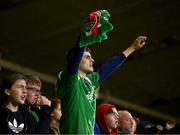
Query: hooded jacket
{"type": "Point", "coordinates": [101, 126]}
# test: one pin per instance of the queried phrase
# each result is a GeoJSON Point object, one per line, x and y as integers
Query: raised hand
{"type": "Point", "coordinates": [96, 28]}
{"type": "Point", "coordinates": [42, 100]}
{"type": "Point", "coordinates": [139, 42]}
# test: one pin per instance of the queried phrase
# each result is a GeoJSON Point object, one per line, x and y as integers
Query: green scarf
{"type": "Point", "coordinates": [96, 28]}
{"type": "Point", "coordinates": [35, 116]}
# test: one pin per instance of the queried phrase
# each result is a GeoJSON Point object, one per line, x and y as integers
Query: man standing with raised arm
{"type": "Point", "coordinates": [77, 83]}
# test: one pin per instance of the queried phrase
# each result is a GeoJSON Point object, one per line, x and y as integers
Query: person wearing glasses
{"type": "Point", "coordinates": [38, 105]}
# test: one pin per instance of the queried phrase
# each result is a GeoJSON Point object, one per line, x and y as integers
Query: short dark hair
{"type": "Point", "coordinates": [73, 51]}
{"type": "Point", "coordinates": [8, 82]}
{"type": "Point", "coordinates": [87, 49]}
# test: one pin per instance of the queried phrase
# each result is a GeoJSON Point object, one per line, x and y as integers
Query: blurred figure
{"type": "Point", "coordinates": [38, 105]}
{"type": "Point", "coordinates": [55, 116]}
{"type": "Point", "coordinates": [134, 127]}
{"type": "Point", "coordinates": [145, 127]}
{"type": "Point", "coordinates": [170, 124]}
{"type": "Point", "coordinates": [175, 129]}
{"type": "Point", "coordinates": [14, 119]}
{"type": "Point", "coordinates": [171, 127]}
{"type": "Point", "coordinates": [126, 122]}
{"type": "Point", "coordinates": [106, 120]}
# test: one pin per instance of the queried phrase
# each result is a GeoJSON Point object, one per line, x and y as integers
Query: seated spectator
{"type": "Point", "coordinates": [106, 120]}
{"type": "Point", "coordinates": [126, 122]}
{"type": "Point", "coordinates": [55, 116]}
{"type": "Point", "coordinates": [14, 119]}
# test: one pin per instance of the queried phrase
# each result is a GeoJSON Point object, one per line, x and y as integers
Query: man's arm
{"type": "Point", "coordinates": [95, 30]}
{"type": "Point", "coordinates": [44, 114]}
{"type": "Point", "coordinates": [114, 63]}
{"type": "Point", "coordinates": [137, 44]}
{"type": "Point", "coordinates": [74, 57]}
{"type": "Point", "coordinates": [111, 65]}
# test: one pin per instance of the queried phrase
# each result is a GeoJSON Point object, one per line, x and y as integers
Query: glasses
{"type": "Point", "coordinates": [34, 90]}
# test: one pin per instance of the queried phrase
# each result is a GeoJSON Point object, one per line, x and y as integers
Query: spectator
{"type": "Point", "coordinates": [106, 120]}
{"type": "Point", "coordinates": [38, 105]}
{"type": "Point", "coordinates": [55, 116]}
{"type": "Point", "coordinates": [14, 119]}
{"type": "Point", "coordinates": [126, 122]}
{"type": "Point", "coordinates": [145, 127]}
{"type": "Point", "coordinates": [77, 83]}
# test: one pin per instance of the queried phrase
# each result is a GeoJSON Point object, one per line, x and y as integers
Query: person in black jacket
{"type": "Point", "coordinates": [14, 118]}
{"type": "Point", "coordinates": [38, 105]}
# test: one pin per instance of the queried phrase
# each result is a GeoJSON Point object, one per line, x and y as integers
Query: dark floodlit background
{"type": "Point", "coordinates": [35, 36]}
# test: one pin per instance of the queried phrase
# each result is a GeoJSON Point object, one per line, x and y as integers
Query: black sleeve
{"type": "Point", "coordinates": [44, 114]}
{"type": "Point", "coordinates": [74, 57]}
{"type": "Point", "coordinates": [31, 123]}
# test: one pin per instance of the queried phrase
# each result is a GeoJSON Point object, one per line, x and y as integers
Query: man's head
{"type": "Point", "coordinates": [125, 121]}
{"type": "Point", "coordinates": [86, 64]}
{"type": "Point", "coordinates": [13, 89]}
{"type": "Point", "coordinates": [33, 89]}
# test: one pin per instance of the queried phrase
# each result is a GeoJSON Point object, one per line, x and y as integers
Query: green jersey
{"type": "Point", "coordinates": [78, 102]}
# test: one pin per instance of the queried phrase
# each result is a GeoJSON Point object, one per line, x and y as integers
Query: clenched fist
{"type": "Point", "coordinates": [139, 42]}
{"type": "Point", "coordinates": [42, 100]}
